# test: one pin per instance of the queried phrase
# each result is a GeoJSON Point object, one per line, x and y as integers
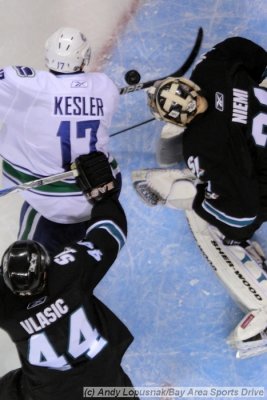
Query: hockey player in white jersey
{"type": "Point", "coordinates": [47, 119]}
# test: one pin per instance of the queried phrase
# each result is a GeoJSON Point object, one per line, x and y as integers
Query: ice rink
{"type": "Point", "coordinates": [161, 286]}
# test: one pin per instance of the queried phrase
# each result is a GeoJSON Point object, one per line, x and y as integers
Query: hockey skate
{"type": "Point", "coordinates": [255, 344]}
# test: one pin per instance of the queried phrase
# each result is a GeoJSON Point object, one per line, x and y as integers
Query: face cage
{"type": "Point", "coordinates": [175, 114]}
{"type": "Point", "coordinates": [39, 289]}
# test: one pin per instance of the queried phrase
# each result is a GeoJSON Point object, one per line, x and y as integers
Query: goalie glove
{"type": "Point", "coordinates": [171, 187]}
{"type": "Point", "coordinates": [95, 177]}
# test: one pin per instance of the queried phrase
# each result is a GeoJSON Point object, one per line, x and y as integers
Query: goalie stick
{"type": "Point", "coordinates": [180, 71]}
{"type": "Point", "coordinates": [39, 182]}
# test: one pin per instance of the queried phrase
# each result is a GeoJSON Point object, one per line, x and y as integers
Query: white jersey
{"type": "Point", "coordinates": [46, 121]}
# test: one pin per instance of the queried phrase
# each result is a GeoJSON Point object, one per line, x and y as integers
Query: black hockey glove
{"type": "Point", "coordinates": [95, 176]}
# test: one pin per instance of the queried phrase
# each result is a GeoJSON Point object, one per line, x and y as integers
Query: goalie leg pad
{"type": "Point", "coordinates": [242, 271]}
{"type": "Point", "coordinates": [244, 278]}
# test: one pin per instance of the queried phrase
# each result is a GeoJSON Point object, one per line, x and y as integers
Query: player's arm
{"type": "Point", "coordinates": [239, 51]}
{"type": "Point", "coordinates": [228, 200]}
{"type": "Point", "coordinates": [107, 230]}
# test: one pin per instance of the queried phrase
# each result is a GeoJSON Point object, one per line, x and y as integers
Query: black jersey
{"type": "Point", "coordinates": [226, 145]}
{"type": "Point", "coordinates": [66, 338]}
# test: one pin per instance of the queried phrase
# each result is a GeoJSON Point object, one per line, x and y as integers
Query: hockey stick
{"type": "Point", "coordinates": [179, 72]}
{"type": "Point", "coordinates": [132, 127]}
{"type": "Point", "coordinates": [39, 182]}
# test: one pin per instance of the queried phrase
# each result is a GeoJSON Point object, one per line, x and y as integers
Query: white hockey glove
{"type": "Point", "coordinates": [171, 187]}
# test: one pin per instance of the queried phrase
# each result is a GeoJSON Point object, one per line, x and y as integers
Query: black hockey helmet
{"type": "Point", "coordinates": [24, 265]}
{"type": "Point", "coordinates": [173, 100]}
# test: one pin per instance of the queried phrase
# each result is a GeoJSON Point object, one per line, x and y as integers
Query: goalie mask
{"type": "Point", "coordinates": [24, 266]}
{"type": "Point", "coordinates": [67, 50]}
{"type": "Point", "coordinates": [174, 100]}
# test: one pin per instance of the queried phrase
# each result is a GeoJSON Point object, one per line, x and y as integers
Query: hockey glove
{"type": "Point", "coordinates": [173, 188]}
{"type": "Point", "coordinates": [95, 176]}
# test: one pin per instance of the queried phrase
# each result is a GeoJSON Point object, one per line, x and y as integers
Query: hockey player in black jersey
{"type": "Point", "coordinates": [223, 110]}
{"type": "Point", "coordinates": [225, 113]}
{"type": "Point", "coordinates": [66, 338]}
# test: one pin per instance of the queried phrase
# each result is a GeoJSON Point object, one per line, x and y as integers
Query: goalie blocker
{"type": "Point", "coordinates": [240, 267]}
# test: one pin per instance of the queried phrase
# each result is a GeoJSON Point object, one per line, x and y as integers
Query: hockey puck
{"type": "Point", "coordinates": [132, 77]}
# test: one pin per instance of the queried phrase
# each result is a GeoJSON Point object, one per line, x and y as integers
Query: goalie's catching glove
{"type": "Point", "coordinates": [173, 188]}
{"type": "Point", "coordinates": [95, 177]}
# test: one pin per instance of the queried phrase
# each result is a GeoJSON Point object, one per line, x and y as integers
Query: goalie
{"type": "Point", "coordinates": [224, 191]}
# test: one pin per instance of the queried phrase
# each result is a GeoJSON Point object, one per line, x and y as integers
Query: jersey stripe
{"type": "Point", "coordinates": [227, 219]}
{"type": "Point", "coordinates": [61, 187]}
{"type": "Point", "coordinates": [28, 224]}
{"type": "Point", "coordinates": [112, 229]}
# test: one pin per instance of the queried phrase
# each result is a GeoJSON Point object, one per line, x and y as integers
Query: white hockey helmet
{"type": "Point", "coordinates": [174, 100]}
{"type": "Point", "coordinates": [67, 50]}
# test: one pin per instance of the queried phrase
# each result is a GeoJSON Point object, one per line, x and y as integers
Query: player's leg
{"type": "Point", "coordinates": [52, 235]}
